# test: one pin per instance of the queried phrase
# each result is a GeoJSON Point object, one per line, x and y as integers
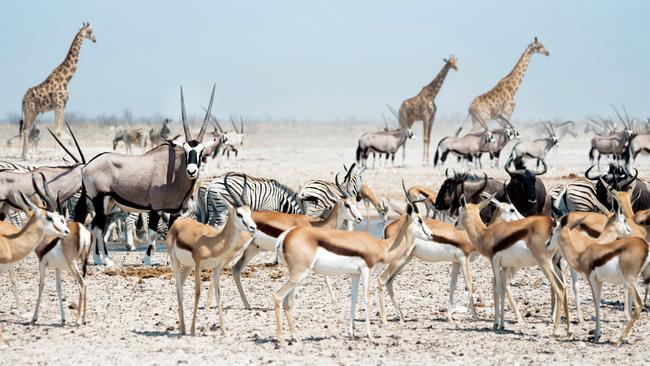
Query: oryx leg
{"type": "Point", "coordinates": [151, 236]}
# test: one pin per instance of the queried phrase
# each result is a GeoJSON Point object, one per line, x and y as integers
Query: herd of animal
{"type": "Point", "coordinates": [596, 226]}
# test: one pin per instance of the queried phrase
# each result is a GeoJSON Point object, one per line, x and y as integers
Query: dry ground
{"type": "Point", "coordinates": [133, 313]}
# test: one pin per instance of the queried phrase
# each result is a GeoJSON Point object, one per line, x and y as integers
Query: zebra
{"type": "Point", "coordinates": [210, 206]}
{"type": "Point", "coordinates": [7, 166]}
{"type": "Point", "coordinates": [577, 195]}
{"type": "Point", "coordinates": [319, 196]}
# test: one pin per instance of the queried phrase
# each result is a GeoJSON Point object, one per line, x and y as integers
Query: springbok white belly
{"type": "Point", "coordinates": [328, 263]}
{"type": "Point", "coordinates": [184, 256]}
{"type": "Point", "coordinates": [609, 272]}
{"type": "Point", "coordinates": [431, 251]}
{"type": "Point", "coordinates": [517, 256]}
{"type": "Point", "coordinates": [265, 241]}
{"type": "Point", "coordinates": [54, 258]}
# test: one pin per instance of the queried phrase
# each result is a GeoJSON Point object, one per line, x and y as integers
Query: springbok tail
{"type": "Point", "coordinates": [279, 244]}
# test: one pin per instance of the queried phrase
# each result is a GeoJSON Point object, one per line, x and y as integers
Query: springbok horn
{"type": "Point", "coordinates": [46, 190]}
{"type": "Point", "coordinates": [485, 203]}
{"type": "Point", "coordinates": [63, 146]}
{"type": "Point", "coordinates": [43, 195]}
{"type": "Point", "coordinates": [74, 138]}
{"type": "Point", "coordinates": [27, 204]}
{"type": "Point", "coordinates": [186, 128]}
{"type": "Point", "coordinates": [244, 192]}
{"type": "Point", "coordinates": [339, 186]}
{"type": "Point", "coordinates": [207, 115]}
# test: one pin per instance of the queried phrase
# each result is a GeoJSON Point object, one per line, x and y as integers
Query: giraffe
{"type": "Point", "coordinates": [52, 94]}
{"type": "Point", "coordinates": [422, 107]}
{"type": "Point", "coordinates": [499, 102]}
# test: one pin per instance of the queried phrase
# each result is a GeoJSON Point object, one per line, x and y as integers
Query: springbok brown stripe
{"type": "Point", "coordinates": [510, 240]}
{"type": "Point", "coordinates": [605, 258]}
{"type": "Point", "coordinates": [270, 230]}
{"type": "Point", "coordinates": [339, 250]}
{"type": "Point", "coordinates": [46, 249]}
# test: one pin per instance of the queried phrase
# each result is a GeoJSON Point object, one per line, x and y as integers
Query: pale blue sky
{"type": "Point", "coordinates": [329, 60]}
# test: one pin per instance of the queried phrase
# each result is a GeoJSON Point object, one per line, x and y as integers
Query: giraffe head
{"type": "Point", "coordinates": [538, 47]}
{"type": "Point", "coordinates": [86, 31]}
{"type": "Point", "coordinates": [452, 61]}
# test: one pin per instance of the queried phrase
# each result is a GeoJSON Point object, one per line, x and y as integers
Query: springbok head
{"type": "Point", "coordinates": [54, 223]}
{"type": "Point", "coordinates": [350, 210]}
{"type": "Point", "coordinates": [416, 225]}
{"type": "Point", "coordinates": [194, 147]}
{"type": "Point", "coordinates": [86, 31]}
{"type": "Point", "coordinates": [243, 221]}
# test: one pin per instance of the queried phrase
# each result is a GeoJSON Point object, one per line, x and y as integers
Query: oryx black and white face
{"type": "Point", "coordinates": [193, 152]}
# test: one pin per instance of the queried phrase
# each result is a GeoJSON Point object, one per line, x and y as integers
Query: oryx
{"type": "Point", "coordinates": [160, 180]}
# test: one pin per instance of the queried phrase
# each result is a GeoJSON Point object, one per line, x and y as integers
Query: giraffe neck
{"type": "Point", "coordinates": [434, 86]}
{"type": "Point", "coordinates": [514, 78]}
{"type": "Point", "coordinates": [68, 67]}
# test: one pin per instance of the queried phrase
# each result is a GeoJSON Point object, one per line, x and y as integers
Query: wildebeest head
{"type": "Point", "coordinates": [450, 191]}
{"type": "Point", "coordinates": [194, 147]}
{"type": "Point", "coordinates": [523, 179]}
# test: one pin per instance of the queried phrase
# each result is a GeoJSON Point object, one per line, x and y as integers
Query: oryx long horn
{"type": "Point", "coordinates": [186, 128]}
{"type": "Point", "coordinates": [63, 146]}
{"type": "Point", "coordinates": [241, 124]}
{"type": "Point", "coordinates": [76, 143]}
{"type": "Point", "coordinates": [619, 116]}
{"type": "Point", "coordinates": [234, 126]}
{"type": "Point", "coordinates": [207, 115]}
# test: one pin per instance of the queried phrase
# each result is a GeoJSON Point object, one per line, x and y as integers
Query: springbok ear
{"type": "Point", "coordinates": [409, 208]}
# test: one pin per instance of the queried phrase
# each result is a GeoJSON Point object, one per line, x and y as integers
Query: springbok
{"type": "Point", "coordinates": [195, 246]}
{"type": "Point", "coordinates": [369, 198]}
{"type": "Point", "coordinates": [511, 245]}
{"type": "Point", "coordinates": [63, 254]}
{"type": "Point", "coordinates": [327, 251]}
{"type": "Point", "coordinates": [16, 244]}
{"type": "Point", "coordinates": [271, 224]}
{"type": "Point", "coordinates": [161, 179]}
{"type": "Point", "coordinates": [620, 261]}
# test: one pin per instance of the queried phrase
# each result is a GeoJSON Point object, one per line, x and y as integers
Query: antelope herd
{"type": "Point", "coordinates": [596, 226]}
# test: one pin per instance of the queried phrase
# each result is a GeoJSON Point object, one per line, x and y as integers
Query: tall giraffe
{"type": "Point", "coordinates": [52, 94]}
{"type": "Point", "coordinates": [422, 107]}
{"type": "Point", "coordinates": [499, 102]}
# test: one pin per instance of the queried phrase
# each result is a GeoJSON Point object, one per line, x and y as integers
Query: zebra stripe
{"type": "Point", "coordinates": [6, 166]}
{"type": "Point", "coordinates": [578, 195]}
{"type": "Point", "coordinates": [319, 196]}
{"type": "Point", "coordinates": [212, 201]}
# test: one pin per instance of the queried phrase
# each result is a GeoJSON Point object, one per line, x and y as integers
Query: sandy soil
{"type": "Point", "coordinates": [132, 314]}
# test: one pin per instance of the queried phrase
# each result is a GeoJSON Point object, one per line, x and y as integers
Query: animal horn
{"type": "Point", "coordinates": [186, 128]}
{"type": "Point", "coordinates": [244, 193]}
{"type": "Point", "coordinates": [338, 185]}
{"type": "Point", "coordinates": [241, 124]}
{"type": "Point", "coordinates": [544, 170]}
{"type": "Point", "coordinates": [447, 172]}
{"type": "Point", "coordinates": [628, 181]}
{"type": "Point", "coordinates": [207, 115]}
{"type": "Point", "coordinates": [45, 193]}
{"type": "Point", "coordinates": [231, 192]}
{"type": "Point", "coordinates": [63, 146]}
{"type": "Point", "coordinates": [234, 126]}
{"type": "Point", "coordinates": [76, 143]}
{"type": "Point", "coordinates": [592, 177]}
{"type": "Point", "coordinates": [485, 203]}
{"type": "Point", "coordinates": [27, 204]}
{"type": "Point", "coordinates": [485, 182]}
{"type": "Point", "coordinates": [505, 191]}
{"type": "Point", "coordinates": [508, 163]}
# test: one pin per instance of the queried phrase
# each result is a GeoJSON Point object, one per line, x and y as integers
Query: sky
{"type": "Point", "coordinates": [328, 60]}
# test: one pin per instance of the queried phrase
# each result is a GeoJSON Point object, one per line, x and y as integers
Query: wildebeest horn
{"type": "Point", "coordinates": [587, 173]}
{"type": "Point", "coordinates": [186, 127]}
{"type": "Point", "coordinates": [544, 170]}
{"type": "Point", "coordinates": [505, 191]}
{"type": "Point", "coordinates": [231, 192]}
{"type": "Point", "coordinates": [74, 138]}
{"type": "Point", "coordinates": [508, 163]}
{"type": "Point", "coordinates": [63, 146]}
{"type": "Point", "coordinates": [207, 115]}
{"type": "Point", "coordinates": [623, 186]}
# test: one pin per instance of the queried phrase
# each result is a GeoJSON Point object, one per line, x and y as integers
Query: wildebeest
{"type": "Point", "coordinates": [619, 179]}
{"type": "Point", "coordinates": [471, 186]}
{"type": "Point", "coordinates": [383, 143]}
{"type": "Point", "coordinates": [525, 190]}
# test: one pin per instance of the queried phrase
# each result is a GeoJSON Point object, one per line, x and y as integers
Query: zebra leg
{"type": "Point", "coordinates": [152, 233]}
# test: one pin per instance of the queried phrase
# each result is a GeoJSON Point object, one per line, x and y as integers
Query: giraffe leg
{"type": "Point", "coordinates": [29, 117]}
{"type": "Point", "coordinates": [427, 123]}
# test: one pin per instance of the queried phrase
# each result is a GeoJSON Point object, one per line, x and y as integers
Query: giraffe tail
{"type": "Point", "coordinates": [20, 127]}
{"type": "Point", "coordinates": [435, 158]}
